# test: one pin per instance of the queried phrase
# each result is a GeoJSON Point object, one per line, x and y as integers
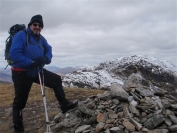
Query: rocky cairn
{"type": "Point", "coordinates": [131, 108]}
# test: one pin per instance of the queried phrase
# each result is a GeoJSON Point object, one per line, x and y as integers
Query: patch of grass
{"type": "Point", "coordinates": [35, 95]}
{"type": "Point", "coordinates": [7, 93]}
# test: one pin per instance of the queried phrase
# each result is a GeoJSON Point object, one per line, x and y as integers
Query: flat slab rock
{"type": "Point", "coordinates": [119, 92]}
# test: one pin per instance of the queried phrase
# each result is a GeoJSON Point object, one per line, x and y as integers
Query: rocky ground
{"type": "Point", "coordinates": [132, 108]}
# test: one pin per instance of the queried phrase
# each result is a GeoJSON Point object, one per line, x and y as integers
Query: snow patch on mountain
{"type": "Point", "coordinates": [117, 71]}
{"type": "Point", "coordinates": [148, 62]}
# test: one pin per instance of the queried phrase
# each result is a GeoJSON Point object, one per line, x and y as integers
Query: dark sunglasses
{"type": "Point", "coordinates": [37, 25]}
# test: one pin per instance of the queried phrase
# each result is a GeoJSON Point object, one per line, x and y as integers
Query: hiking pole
{"type": "Point", "coordinates": [44, 99]}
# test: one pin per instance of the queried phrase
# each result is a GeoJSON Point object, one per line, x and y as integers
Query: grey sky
{"type": "Point", "coordinates": [88, 32]}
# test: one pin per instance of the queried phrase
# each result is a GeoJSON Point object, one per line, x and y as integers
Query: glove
{"type": "Point", "coordinates": [35, 64]}
{"type": "Point", "coordinates": [42, 59]}
{"type": "Point", "coordinates": [32, 72]}
{"type": "Point", "coordinates": [39, 62]}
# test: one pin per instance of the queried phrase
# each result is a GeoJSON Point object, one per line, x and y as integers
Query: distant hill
{"type": "Point", "coordinates": [5, 75]}
{"type": "Point", "coordinates": [5, 78]}
{"type": "Point", "coordinates": [63, 71]}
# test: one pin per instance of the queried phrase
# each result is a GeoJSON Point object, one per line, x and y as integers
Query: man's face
{"type": "Point", "coordinates": [36, 28]}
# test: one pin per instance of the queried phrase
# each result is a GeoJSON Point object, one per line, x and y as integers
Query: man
{"type": "Point", "coordinates": [29, 58]}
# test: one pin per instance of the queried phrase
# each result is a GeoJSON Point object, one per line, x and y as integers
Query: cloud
{"type": "Point", "coordinates": [90, 32]}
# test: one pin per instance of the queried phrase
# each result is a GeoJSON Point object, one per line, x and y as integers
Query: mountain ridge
{"type": "Point", "coordinates": [157, 72]}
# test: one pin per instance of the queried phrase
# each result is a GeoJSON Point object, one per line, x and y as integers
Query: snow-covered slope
{"type": "Point", "coordinates": [155, 64]}
{"type": "Point", "coordinates": [117, 71]}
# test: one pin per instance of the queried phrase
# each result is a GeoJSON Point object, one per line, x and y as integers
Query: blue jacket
{"type": "Point", "coordinates": [22, 54]}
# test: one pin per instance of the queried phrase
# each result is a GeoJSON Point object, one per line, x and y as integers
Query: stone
{"type": "Point", "coordinates": [145, 92]}
{"type": "Point", "coordinates": [112, 114]}
{"type": "Point", "coordinates": [144, 129]}
{"type": "Point", "coordinates": [91, 105]}
{"type": "Point", "coordinates": [106, 96]}
{"type": "Point", "coordinates": [126, 111]}
{"type": "Point", "coordinates": [107, 126]}
{"type": "Point", "coordinates": [134, 80]}
{"type": "Point", "coordinates": [158, 91]}
{"type": "Point", "coordinates": [173, 128]}
{"type": "Point", "coordinates": [101, 117]}
{"type": "Point", "coordinates": [143, 114]}
{"type": "Point", "coordinates": [130, 98]}
{"type": "Point", "coordinates": [99, 126]}
{"type": "Point", "coordinates": [149, 100]}
{"type": "Point", "coordinates": [158, 131]}
{"type": "Point", "coordinates": [115, 129]}
{"type": "Point", "coordinates": [168, 112]}
{"type": "Point", "coordinates": [82, 128]}
{"type": "Point", "coordinates": [135, 123]}
{"type": "Point", "coordinates": [70, 121]}
{"type": "Point", "coordinates": [135, 96]}
{"type": "Point", "coordinates": [115, 101]}
{"type": "Point", "coordinates": [120, 114]}
{"type": "Point", "coordinates": [144, 119]}
{"type": "Point", "coordinates": [129, 125]}
{"type": "Point", "coordinates": [119, 92]}
{"type": "Point", "coordinates": [153, 122]}
{"type": "Point", "coordinates": [168, 122]}
{"type": "Point", "coordinates": [165, 103]}
{"type": "Point", "coordinates": [110, 121]}
{"type": "Point", "coordinates": [101, 107]}
{"type": "Point", "coordinates": [58, 117]}
{"type": "Point", "coordinates": [173, 119]}
{"type": "Point", "coordinates": [133, 110]}
{"type": "Point", "coordinates": [83, 108]}
{"type": "Point", "coordinates": [134, 103]}
{"type": "Point", "coordinates": [107, 131]}
{"type": "Point", "coordinates": [174, 106]}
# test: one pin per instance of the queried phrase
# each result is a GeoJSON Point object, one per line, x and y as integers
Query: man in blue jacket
{"type": "Point", "coordinates": [28, 58]}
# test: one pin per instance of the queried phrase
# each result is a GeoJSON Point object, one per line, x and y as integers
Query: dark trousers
{"type": "Point", "coordinates": [22, 86]}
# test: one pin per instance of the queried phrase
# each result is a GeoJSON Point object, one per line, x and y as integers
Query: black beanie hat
{"type": "Point", "coordinates": [36, 18]}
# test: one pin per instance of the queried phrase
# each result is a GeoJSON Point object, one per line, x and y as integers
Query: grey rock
{"type": "Point", "coordinates": [111, 114]}
{"type": "Point", "coordinates": [145, 106]}
{"type": "Point", "coordinates": [115, 101]}
{"type": "Point", "coordinates": [158, 131]}
{"type": "Point", "coordinates": [58, 117]}
{"type": "Point", "coordinates": [128, 125]}
{"type": "Point", "coordinates": [119, 92]}
{"type": "Point", "coordinates": [173, 128]}
{"type": "Point", "coordinates": [130, 98]}
{"type": "Point", "coordinates": [106, 96]}
{"type": "Point", "coordinates": [144, 119]}
{"type": "Point", "coordinates": [80, 129]}
{"type": "Point", "coordinates": [153, 122]}
{"type": "Point", "coordinates": [168, 122]}
{"type": "Point", "coordinates": [126, 112]}
{"type": "Point", "coordinates": [101, 107]}
{"type": "Point", "coordinates": [99, 126]}
{"type": "Point", "coordinates": [135, 123]}
{"type": "Point", "coordinates": [134, 103]}
{"type": "Point", "coordinates": [173, 119]}
{"type": "Point", "coordinates": [135, 96]}
{"type": "Point", "coordinates": [85, 110]}
{"type": "Point", "coordinates": [145, 92]}
{"type": "Point", "coordinates": [107, 131]}
{"type": "Point", "coordinates": [115, 129]}
{"type": "Point", "coordinates": [134, 80]}
{"type": "Point", "coordinates": [69, 121]}
{"type": "Point", "coordinates": [165, 103]}
{"type": "Point", "coordinates": [133, 110]}
{"type": "Point", "coordinates": [174, 106]}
